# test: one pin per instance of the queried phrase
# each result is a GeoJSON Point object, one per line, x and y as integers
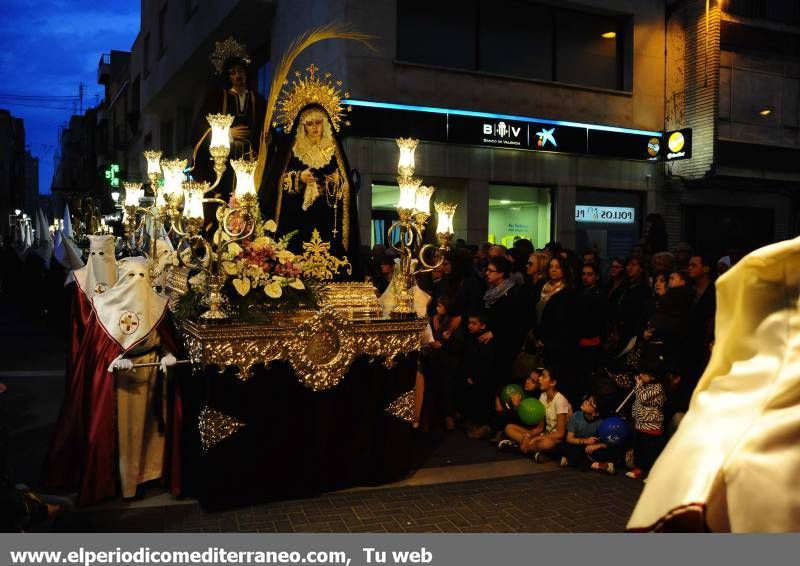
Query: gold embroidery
{"type": "Point", "coordinates": [318, 263]}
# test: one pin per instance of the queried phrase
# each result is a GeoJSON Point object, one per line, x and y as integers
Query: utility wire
{"type": "Point", "coordinates": [38, 97]}
{"type": "Point", "coordinates": [7, 103]}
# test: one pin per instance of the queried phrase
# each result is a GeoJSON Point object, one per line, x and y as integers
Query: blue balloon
{"type": "Point", "coordinates": [614, 431]}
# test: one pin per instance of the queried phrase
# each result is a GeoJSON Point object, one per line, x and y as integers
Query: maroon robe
{"type": "Point", "coordinates": [83, 451]}
{"type": "Point", "coordinates": [64, 454]}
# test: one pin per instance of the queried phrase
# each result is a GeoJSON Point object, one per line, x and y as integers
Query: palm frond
{"type": "Point", "coordinates": [306, 40]}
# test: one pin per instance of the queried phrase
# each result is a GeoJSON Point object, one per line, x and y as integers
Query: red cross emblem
{"type": "Point", "coordinates": [129, 322]}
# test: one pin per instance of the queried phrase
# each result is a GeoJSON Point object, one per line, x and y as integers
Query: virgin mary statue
{"type": "Point", "coordinates": [308, 186]}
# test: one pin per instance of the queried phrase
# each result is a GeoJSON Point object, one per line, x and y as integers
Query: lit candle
{"type": "Point", "coordinates": [220, 130]}
{"type": "Point", "coordinates": [153, 162]}
{"type": "Point", "coordinates": [405, 166]}
{"type": "Point", "coordinates": [423, 199]}
{"type": "Point", "coordinates": [133, 193]}
{"type": "Point", "coordinates": [173, 176]}
{"type": "Point", "coordinates": [194, 192]}
{"type": "Point", "coordinates": [408, 192]}
{"type": "Point", "coordinates": [245, 182]}
{"type": "Point", "coordinates": [446, 212]}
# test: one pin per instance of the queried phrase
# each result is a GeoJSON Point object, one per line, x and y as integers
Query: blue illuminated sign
{"type": "Point", "coordinates": [433, 124]}
{"type": "Point", "coordinates": [435, 110]}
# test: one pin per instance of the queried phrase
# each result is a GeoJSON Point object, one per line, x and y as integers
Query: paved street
{"type": "Point", "coordinates": [465, 486]}
{"type": "Point", "coordinates": [550, 501]}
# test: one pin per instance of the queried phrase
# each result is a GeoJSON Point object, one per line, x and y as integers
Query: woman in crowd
{"type": "Point", "coordinates": [555, 316]}
{"type": "Point", "coordinates": [635, 302]}
{"type": "Point", "coordinates": [616, 280]}
{"type": "Point", "coordinates": [502, 302]}
{"type": "Point", "coordinates": [591, 320]}
{"type": "Point", "coordinates": [535, 278]}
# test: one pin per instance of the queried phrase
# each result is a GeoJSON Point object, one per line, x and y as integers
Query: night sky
{"type": "Point", "coordinates": [47, 48]}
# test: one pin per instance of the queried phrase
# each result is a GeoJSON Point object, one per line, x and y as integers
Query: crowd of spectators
{"type": "Point", "coordinates": [578, 333]}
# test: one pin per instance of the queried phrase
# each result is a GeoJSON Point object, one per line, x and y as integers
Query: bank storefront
{"type": "Point", "coordinates": [586, 185]}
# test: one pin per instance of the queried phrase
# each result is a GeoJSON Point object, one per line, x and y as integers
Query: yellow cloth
{"type": "Point", "coordinates": [735, 454]}
{"type": "Point", "coordinates": [141, 446]}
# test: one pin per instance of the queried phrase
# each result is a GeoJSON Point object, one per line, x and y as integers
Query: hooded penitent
{"type": "Point", "coordinates": [733, 463]}
{"type": "Point", "coordinates": [164, 249]}
{"type": "Point", "coordinates": [131, 309]}
{"type": "Point", "coordinates": [100, 272]}
{"type": "Point", "coordinates": [114, 428]}
{"type": "Point", "coordinates": [66, 251]}
{"type": "Point", "coordinates": [44, 241]}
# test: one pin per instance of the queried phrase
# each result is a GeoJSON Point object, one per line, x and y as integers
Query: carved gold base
{"type": "Point", "coordinates": [320, 346]}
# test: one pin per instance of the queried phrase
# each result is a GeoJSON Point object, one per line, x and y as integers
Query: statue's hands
{"type": "Point", "coordinates": [120, 364]}
{"type": "Point", "coordinates": [307, 177]}
{"type": "Point", "coordinates": [240, 133]}
{"type": "Point", "coordinates": [168, 361]}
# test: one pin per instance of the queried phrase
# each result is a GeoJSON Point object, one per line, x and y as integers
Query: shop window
{"type": "Point", "coordinates": [384, 211]}
{"type": "Point", "coordinates": [519, 213]}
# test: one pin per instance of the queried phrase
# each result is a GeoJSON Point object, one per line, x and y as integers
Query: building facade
{"type": "Point", "coordinates": [12, 168]}
{"type": "Point", "coordinates": [541, 119]}
{"type": "Point", "coordinates": [504, 66]}
{"type": "Point", "coordinates": [733, 77]}
{"type": "Point", "coordinates": [172, 74]}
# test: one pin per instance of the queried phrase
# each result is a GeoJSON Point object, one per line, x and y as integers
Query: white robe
{"type": "Point", "coordinates": [734, 461]}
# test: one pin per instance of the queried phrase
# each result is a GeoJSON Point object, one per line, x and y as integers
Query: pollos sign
{"type": "Point", "coordinates": [605, 214]}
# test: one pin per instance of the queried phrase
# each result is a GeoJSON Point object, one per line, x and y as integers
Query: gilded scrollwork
{"type": "Point", "coordinates": [215, 427]}
{"type": "Point", "coordinates": [320, 346]}
{"type": "Point", "coordinates": [403, 407]}
{"type": "Point", "coordinates": [318, 263]}
{"type": "Point", "coordinates": [322, 350]}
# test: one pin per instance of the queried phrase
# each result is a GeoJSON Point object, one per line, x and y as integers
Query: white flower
{"type": "Point", "coordinates": [198, 280]}
{"type": "Point", "coordinates": [242, 286]}
{"type": "Point", "coordinates": [273, 290]}
{"type": "Point", "coordinates": [284, 256]}
{"type": "Point", "coordinates": [230, 268]}
{"type": "Point", "coordinates": [233, 249]}
{"type": "Point", "coordinates": [296, 284]}
{"type": "Point", "coordinates": [270, 226]}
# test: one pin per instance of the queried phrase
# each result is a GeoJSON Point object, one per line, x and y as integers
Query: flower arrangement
{"type": "Point", "coordinates": [261, 274]}
{"type": "Point", "coordinates": [263, 263]}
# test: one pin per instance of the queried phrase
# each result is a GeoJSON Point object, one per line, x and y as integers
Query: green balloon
{"type": "Point", "coordinates": [510, 389]}
{"type": "Point", "coordinates": [531, 411]}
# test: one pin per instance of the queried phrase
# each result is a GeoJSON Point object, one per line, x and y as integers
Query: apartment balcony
{"type": "Point", "coordinates": [104, 69]}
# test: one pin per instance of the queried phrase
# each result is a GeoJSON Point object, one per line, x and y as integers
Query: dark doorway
{"type": "Point", "coordinates": [718, 230]}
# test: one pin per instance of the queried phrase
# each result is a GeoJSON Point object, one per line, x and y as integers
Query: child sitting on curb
{"type": "Point", "coordinates": [582, 448]}
{"type": "Point", "coordinates": [543, 439]}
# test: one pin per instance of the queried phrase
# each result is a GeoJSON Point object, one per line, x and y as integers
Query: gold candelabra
{"type": "Point", "coordinates": [413, 209]}
{"type": "Point", "coordinates": [237, 222]}
{"type": "Point", "coordinates": [178, 204]}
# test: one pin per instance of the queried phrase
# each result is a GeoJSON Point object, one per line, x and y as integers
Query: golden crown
{"type": "Point", "coordinates": [223, 50]}
{"type": "Point", "coordinates": [310, 89]}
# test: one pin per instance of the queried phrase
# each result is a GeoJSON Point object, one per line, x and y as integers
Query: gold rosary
{"type": "Point", "coordinates": [334, 189]}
